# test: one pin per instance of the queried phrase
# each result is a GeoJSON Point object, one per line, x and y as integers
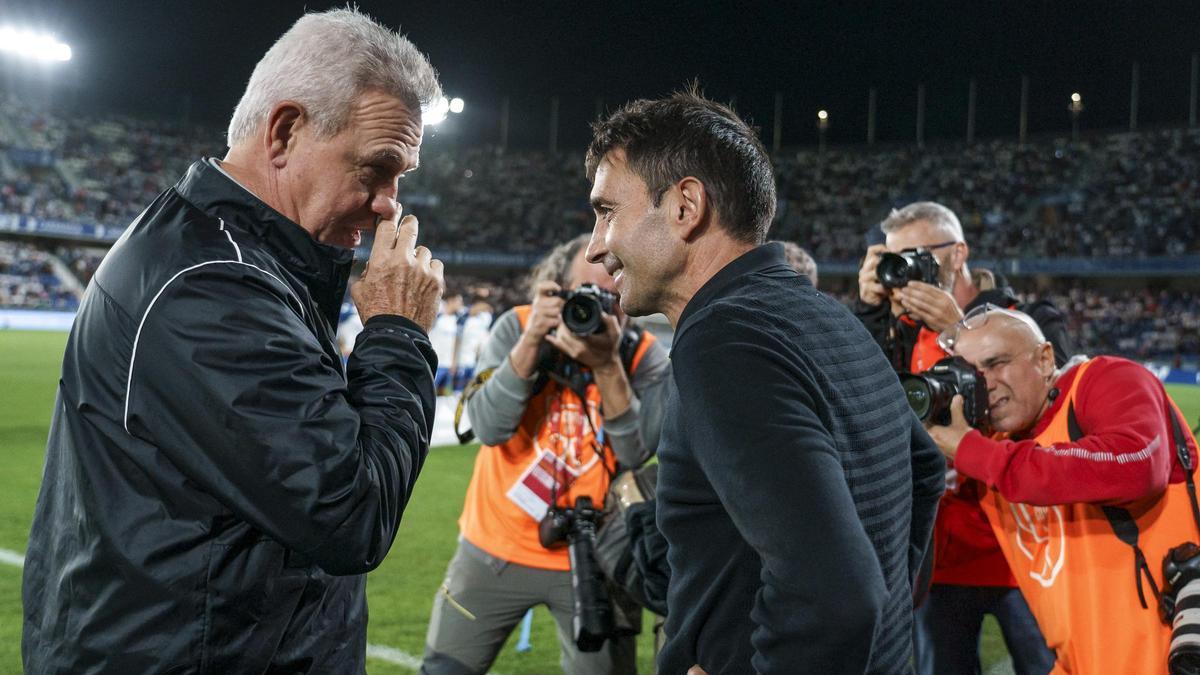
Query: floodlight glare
{"type": "Point", "coordinates": [822, 115]}
{"type": "Point", "coordinates": [456, 105]}
{"type": "Point", "coordinates": [1076, 98]}
{"type": "Point", "coordinates": [435, 113]}
{"type": "Point", "coordinates": [31, 45]}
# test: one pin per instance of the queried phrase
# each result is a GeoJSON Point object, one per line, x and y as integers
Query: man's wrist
{"type": "Point", "coordinates": [608, 368]}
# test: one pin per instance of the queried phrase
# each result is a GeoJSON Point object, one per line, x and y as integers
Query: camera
{"type": "Point", "coordinates": [895, 270]}
{"type": "Point", "coordinates": [1181, 593]}
{"type": "Point", "coordinates": [585, 308]}
{"type": "Point", "coordinates": [929, 393]}
{"type": "Point", "coordinates": [593, 620]}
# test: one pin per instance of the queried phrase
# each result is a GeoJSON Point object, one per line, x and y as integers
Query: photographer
{"type": "Point", "coordinates": [910, 288]}
{"type": "Point", "coordinates": [557, 413]}
{"type": "Point", "coordinates": [1087, 493]}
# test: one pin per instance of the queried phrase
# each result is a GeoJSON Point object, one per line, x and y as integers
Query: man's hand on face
{"type": "Point", "coordinates": [929, 304]}
{"type": "Point", "coordinates": [948, 437]}
{"type": "Point", "coordinates": [870, 291]}
{"type": "Point", "coordinates": [400, 278]}
{"type": "Point", "coordinates": [597, 351]}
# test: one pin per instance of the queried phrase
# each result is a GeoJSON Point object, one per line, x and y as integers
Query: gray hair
{"type": "Point", "coordinates": [941, 217]}
{"type": "Point", "coordinates": [325, 62]}
{"type": "Point", "coordinates": [556, 266]}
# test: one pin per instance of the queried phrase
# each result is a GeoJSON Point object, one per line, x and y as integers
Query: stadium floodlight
{"type": "Point", "coordinates": [1076, 109]}
{"type": "Point", "coordinates": [436, 112]}
{"type": "Point", "coordinates": [31, 45]}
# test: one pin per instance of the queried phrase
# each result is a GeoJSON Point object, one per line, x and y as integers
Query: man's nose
{"type": "Point", "coordinates": [384, 205]}
{"type": "Point", "coordinates": [595, 249]}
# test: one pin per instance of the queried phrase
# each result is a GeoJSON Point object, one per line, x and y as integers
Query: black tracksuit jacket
{"type": "Point", "coordinates": [796, 489]}
{"type": "Point", "coordinates": [216, 483]}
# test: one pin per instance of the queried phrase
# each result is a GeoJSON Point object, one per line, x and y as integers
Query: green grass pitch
{"type": "Point", "coordinates": [400, 591]}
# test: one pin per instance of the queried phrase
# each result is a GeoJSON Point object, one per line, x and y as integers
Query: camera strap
{"type": "Point", "coordinates": [1123, 523]}
{"type": "Point", "coordinates": [1185, 460]}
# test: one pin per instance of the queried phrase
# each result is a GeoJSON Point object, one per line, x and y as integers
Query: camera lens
{"type": "Point", "coordinates": [582, 314]}
{"type": "Point", "coordinates": [916, 390]}
{"type": "Point", "coordinates": [894, 270]}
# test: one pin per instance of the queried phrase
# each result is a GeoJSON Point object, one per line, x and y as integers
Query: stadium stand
{"type": "Point", "coordinates": [1110, 196]}
{"type": "Point", "coordinates": [1106, 195]}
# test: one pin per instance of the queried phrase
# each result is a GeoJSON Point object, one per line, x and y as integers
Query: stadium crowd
{"type": "Point", "coordinates": [1160, 326]}
{"type": "Point", "coordinates": [1105, 195]}
{"type": "Point", "coordinates": [28, 280]}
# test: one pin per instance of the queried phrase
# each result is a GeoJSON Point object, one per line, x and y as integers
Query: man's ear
{"type": "Point", "coordinates": [285, 120]}
{"type": "Point", "coordinates": [1045, 356]}
{"type": "Point", "coordinates": [688, 207]}
{"type": "Point", "coordinates": [961, 252]}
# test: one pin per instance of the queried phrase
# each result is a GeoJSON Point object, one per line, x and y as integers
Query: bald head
{"type": "Point", "coordinates": [1017, 362]}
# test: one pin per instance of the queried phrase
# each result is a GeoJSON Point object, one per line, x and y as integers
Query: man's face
{"type": "Point", "coordinates": [1018, 371]}
{"type": "Point", "coordinates": [924, 234]}
{"type": "Point", "coordinates": [631, 237]}
{"type": "Point", "coordinates": [336, 187]}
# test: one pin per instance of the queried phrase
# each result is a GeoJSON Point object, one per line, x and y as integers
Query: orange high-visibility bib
{"type": "Point", "coordinates": [1079, 578]}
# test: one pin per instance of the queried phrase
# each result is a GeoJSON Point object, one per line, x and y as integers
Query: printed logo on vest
{"type": "Point", "coordinates": [1041, 538]}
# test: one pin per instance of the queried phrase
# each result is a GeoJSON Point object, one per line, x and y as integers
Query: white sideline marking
{"type": "Point", "coordinates": [12, 558]}
{"type": "Point", "coordinates": [393, 655]}
{"type": "Point", "coordinates": [378, 652]}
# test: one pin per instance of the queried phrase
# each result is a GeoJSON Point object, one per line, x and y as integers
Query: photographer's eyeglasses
{"type": "Point", "coordinates": [978, 317]}
{"type": "Point", "coordinates": [944, 244]}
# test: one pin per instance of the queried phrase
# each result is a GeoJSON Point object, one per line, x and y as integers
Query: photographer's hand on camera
{"type": "Point", "coordinates": [601, 352]}
{"type": "Point", "coordinates": [948, 437]}
{"type": "Point", "coordinates": [929, 304]}
{"type": "Point", "coordinates": [597, 351]}
{"type": "Point", "coordinates": [870, 290]}
{"type": "Point", "coordinates": [545, 315]}
{"type": "Point", "coordinates": [400, 278]}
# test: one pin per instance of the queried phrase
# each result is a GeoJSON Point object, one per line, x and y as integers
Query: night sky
{"type": "Point", "coordinates": [175, 58]}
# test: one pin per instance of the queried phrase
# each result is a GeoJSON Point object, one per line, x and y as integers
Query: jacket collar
{"type": "Point", "coordinates": [766, 257]}
{"type": "Point", "coordinates": [323, 269]}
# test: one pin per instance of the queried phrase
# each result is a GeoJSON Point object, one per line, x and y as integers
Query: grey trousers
{"type": "Point", "coordinates": [482, 600]}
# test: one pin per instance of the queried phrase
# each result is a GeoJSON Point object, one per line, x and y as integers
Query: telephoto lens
{"type": "Point", "coordinates": [593, 620]}
{"type": "Point", "coordinates": [1181, 608]}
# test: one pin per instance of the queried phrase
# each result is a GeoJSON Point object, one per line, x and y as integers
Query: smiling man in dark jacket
{"type": "Point", "coordinates": [796, 490]}
{"type": "Point", "coordinates": [216, 484]}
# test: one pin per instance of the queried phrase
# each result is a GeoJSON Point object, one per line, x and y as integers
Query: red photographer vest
{"type": "Point", "coordinates": [1079, 577]}
{"type": "Point", "coordinates": [965, 549]}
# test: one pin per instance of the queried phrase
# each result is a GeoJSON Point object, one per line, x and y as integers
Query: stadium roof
{"type": "Point", "coordinates": [168, 58]}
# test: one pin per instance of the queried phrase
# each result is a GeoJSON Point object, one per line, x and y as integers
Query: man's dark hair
{"type": "Point", "coordinates": [685, 134]}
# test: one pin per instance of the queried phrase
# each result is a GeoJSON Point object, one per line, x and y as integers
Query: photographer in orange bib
{"type": "Point", "coordinates": [1088, 477]}
{"type": "Point", "coordinates": [559, 404]}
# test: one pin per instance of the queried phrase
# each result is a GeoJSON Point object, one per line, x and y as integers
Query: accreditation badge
{"type": "Point", "coordinates": [546, 477]}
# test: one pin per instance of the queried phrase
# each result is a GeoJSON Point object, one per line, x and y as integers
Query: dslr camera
{"type": "Point", "coordinates": [593, 621]}
{"type": "Point", "coordinates": [929, 393]}
{"type": "Point", "coordinates": [1181, 593]}
{"type": "Point", "coordinates": [895, 270]}
{"type": "Point", "coordinates": [585, 308]}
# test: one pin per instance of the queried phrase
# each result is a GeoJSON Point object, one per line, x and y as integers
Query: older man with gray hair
{"type": "Point", "coordinates": [217, 484]}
